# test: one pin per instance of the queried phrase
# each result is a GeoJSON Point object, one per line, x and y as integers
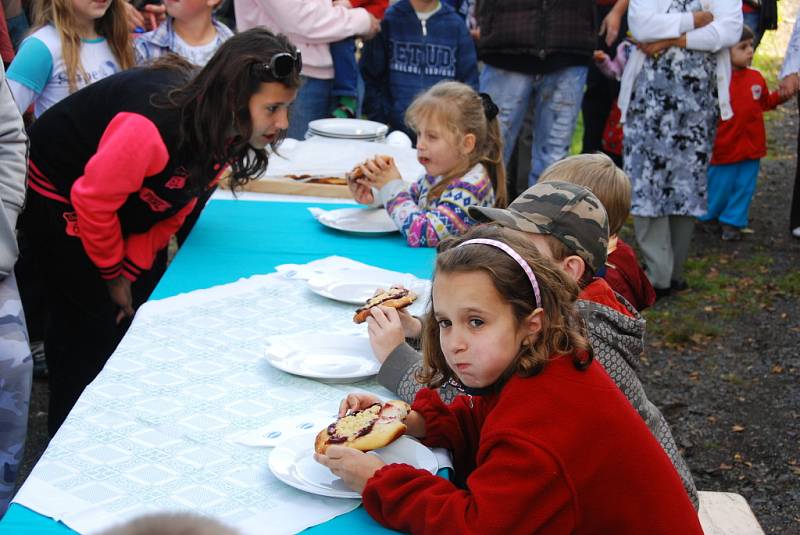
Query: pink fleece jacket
{"type": "Point", "coordinates": [309, 24]}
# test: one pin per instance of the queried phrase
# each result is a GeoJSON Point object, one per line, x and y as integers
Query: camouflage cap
{"type": "Point", "coordinates": [569, 212]}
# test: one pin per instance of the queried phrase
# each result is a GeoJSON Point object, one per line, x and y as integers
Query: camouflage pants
{"type": "Point", "coordinates": [16, 373]}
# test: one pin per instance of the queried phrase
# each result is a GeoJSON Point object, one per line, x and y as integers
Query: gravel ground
{"type": "Point", "coordinates": [722, 362]}
{"type": "Point", "coordinates": [733, 398]}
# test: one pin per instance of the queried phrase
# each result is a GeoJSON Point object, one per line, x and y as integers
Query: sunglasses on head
{"type": "Point", "coordinates": [281, 65]}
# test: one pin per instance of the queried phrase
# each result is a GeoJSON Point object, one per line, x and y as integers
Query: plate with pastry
{"type": "Point", "coordinates": [377, 429]}
{"type": "Point", "coordinates": [325, 357]}
{"type": "Point", "coordinates": [357, 286]}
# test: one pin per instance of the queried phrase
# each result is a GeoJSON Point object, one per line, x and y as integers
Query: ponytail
{"type": "Point", "coordinates": [492, 159]}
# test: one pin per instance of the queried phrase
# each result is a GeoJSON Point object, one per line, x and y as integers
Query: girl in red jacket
{"type": "Point", "coordinates": [543, 441]}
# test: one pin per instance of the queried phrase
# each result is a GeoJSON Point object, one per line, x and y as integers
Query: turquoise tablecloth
{"type": "Point", "coordinates": [235, 239]}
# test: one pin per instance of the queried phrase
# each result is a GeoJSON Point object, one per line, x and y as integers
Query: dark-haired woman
{"type": "Point", "coordinates": [114, 170]}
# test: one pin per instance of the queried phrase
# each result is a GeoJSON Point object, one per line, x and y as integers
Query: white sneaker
{"type": "Point", "coordinates": [796, 232]}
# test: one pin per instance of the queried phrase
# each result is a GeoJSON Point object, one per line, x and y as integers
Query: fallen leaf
{"type": "Point", "coordinates": [713, 419]}
{"type": "Point", "coordinates": [724, 466]}
{"type": "Point", "coordinates": [694, 376]}
{"type": "Point", "coordinates": [737, 428]}
{"type": "Point", "coordinates": [777, 368]}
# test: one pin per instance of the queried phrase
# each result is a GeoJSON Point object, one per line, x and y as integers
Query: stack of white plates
{"type": "Point", "coordinates": [348, 129]}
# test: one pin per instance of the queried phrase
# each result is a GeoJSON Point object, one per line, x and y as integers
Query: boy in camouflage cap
{"type": "Point", "coordinates": [568, 212]}
{"type": "Point", "coordinates": [568, 224]}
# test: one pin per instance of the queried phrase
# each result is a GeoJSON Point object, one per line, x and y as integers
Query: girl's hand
{"type": "Point", "coordinates": [385, 331]}
{"type": "Point", "coordinates": [132, 15]}
{"type": "Point", "coordinates": [656, 47]}
{"type": "Point", "coordinates": [412, 327]}
{"type": "Point", "coordinates": [361, 192]}
{"type": "Point", "coordinates": [702, 18]}
{"type": "Point", "coordinates": [119, 290]}
{"type": "Point", "coordinates": [353, 466]}
{"type": "Point", "coordinates": [357, 401]}
{"type": "Point", "coordinates": [610, 26]}
{"type": "Point", "coordinates": [789, 86]}
{"type": "Point", "coordinates": [155, 15]}
{"type": "Point", "coordinates": [379, 171]}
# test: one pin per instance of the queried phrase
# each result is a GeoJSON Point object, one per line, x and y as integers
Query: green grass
{"type": "Point", "coordinates": [723, 287]}
{"type": "Point", "coordinates": [577, 137]}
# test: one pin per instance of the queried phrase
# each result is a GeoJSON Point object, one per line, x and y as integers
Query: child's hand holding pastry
{"type": "Point", "coordinates": [385, 331]}
{"type": "Point", "coordinates": [359, 189]}
{"type": "Point", "coordinates": [353, 466]}
{"type": "Point", "coordinates": [379, 171]}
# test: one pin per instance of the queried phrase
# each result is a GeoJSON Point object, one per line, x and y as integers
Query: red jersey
{"type": "Point", "coordinates": [742, 137]}
{"type": "Point", "coordinates": [375, 7]}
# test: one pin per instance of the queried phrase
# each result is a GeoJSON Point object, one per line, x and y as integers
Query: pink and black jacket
{"type": "Point", "coordinates": [110, 154]}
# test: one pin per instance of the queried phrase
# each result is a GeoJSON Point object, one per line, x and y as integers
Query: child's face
{"type": "Point", "coordinates": [742, 54]}
{"type": "Point", "coordinates": [89, 10]}
{"type": "Point", "coordinates": [269, 112]}
{"type": "Point", "coordinates": [437, 151]}
{"type": "Point", "coordinates": [189, 9]}
{"type": "Point", "coordinates": [478, 332]}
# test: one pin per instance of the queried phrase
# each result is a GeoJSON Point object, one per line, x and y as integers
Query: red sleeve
{"type": "Point", "coordinates": [376, 7]}
{"type": "Point", "coordinates": [130, 150]}
{"type": "Point", "coordinates": [516, 488]}
{"type": "Point", "coordinates": [769, 100]}
{"type": "Point", "coordinates": [453, 426]}
{"type": "Point", "coordinates": [141, 249]}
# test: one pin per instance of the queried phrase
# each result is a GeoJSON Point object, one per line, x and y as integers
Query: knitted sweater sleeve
{"type": "Point", "coordinates": [426, 226]}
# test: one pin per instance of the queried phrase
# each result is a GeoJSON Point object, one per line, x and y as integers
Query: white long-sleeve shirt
{"type": "Point", "coordinates": [791, 61]}
{"type": "Point", "coordinates": [649, 21]}
{"type": "Point", "coordinates": [311, 25]}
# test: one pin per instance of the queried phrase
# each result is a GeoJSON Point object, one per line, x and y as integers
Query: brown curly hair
{"type": "Point", "coordinates": [562, 330]}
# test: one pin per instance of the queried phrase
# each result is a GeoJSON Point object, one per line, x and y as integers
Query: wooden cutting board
{"type": "Point", "coordinates": [288, 186]}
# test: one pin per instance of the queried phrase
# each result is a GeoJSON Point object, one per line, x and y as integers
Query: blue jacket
{"type": "Point", "coordinates": [407, 57]}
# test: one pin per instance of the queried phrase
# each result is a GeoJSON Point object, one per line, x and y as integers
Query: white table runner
{"type": "Point", "coordinates": [156, 430]}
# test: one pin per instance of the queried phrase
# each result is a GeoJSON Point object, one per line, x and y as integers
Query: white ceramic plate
{"type": "Point", "coordinates": [292, 461]}
{"type": "Point", "coordinates": [355, 286]}
{"type": "Point", "coordinates": [358, 220]}
{"type": "Point", "coordinates": [353, 128]}
{"type": "Point", "coordinates": [326, 357]}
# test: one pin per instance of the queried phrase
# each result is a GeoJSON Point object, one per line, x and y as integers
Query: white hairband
{"type": "Point", "coordinates": [516, 256]}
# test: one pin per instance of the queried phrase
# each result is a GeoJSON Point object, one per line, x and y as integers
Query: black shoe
{"type": "Point", "coordinates": [662, 293]}
{"type": "Point", "coordinates": [678, 286]}
{"type": "Point", "coordinates": [731, 233]}
{"type": "Point", "coordinates": [709, 227]}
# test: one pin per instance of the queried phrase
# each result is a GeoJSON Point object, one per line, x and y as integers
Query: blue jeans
{"type": "Point", "coordinates": [730, 191]}
{"type": "Point", "coordinates": [557, 98]}
{"type": "Point", "coordinates": [345, 68]}
{"type": "Point", "coordinates": [314, 101]}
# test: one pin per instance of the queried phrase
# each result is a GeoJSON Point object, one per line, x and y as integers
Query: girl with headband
{"type": "Point", "coordinates": [460, 147]}
{"type": "Point", "coordinates": [543, 441]}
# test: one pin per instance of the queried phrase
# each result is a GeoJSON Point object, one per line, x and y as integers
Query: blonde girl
{"type": "Point", "coordinates": [543, 441]}
{"type": "Point", "coordinates": [460, 147]}
{"type": "Point", "coordinates": [74, 43]}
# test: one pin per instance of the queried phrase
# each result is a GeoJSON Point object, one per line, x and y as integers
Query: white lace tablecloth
{"type": "Point", "coordinates": [156, 430]}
